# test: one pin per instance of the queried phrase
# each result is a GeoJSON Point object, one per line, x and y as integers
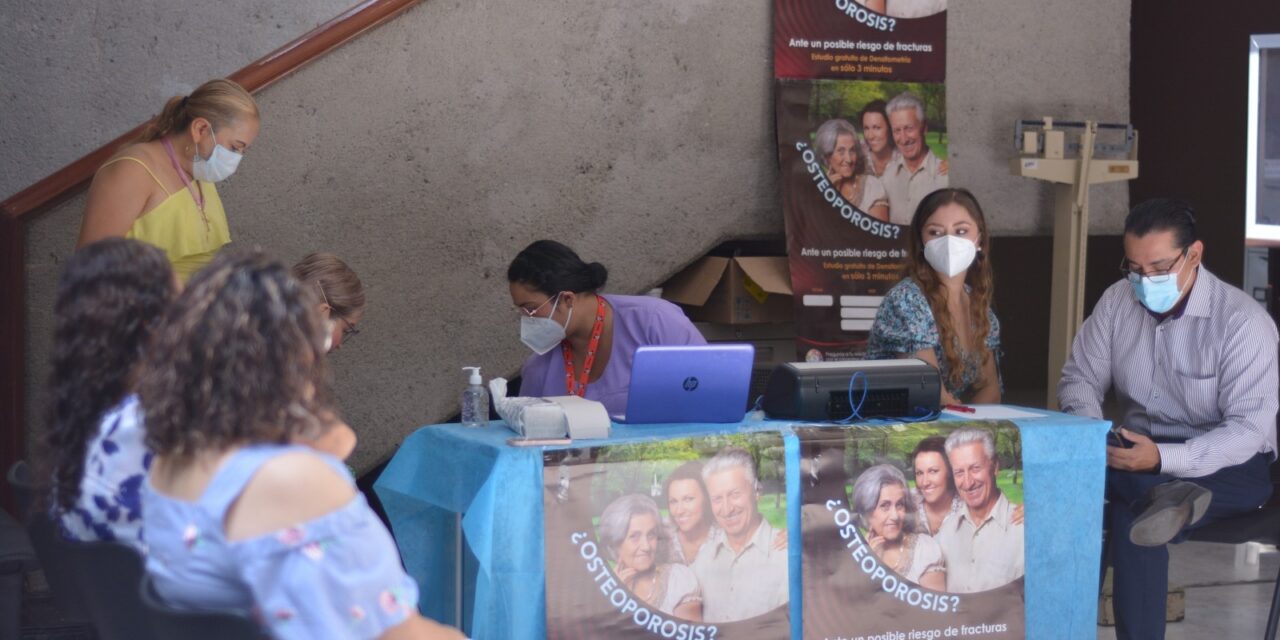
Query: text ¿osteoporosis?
{"type": "Point", "coordinates": [871, 566]}
{"type": "Point", "coordinates": [860, 14]}
{"type": "Point", "coordinates": [621, 599]}
{"type": "Point", "coordinates": [832, 195]}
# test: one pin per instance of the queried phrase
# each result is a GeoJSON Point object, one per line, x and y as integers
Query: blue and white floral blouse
{"type": "Point", "coordinates": [115, 465]}
{"type": "Point", "coordinates": [336, 576]}
{"type": "Point", "coordinates": [904, 324]}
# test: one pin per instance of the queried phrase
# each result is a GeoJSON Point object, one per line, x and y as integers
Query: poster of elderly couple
{"type": "Point", "coordinates": [862, 138]}
{"type": "Point", "coordinates": [912, 531]}
{"type": "Point", "coordinates": [680, 539]}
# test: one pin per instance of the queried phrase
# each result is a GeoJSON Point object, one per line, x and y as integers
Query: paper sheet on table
{"type": "Point", "coordinates": [585, 419]}
{"type": "Point", "coordinates": [992, 412]}
{"type": "Point", "coordinates": [529, 417]}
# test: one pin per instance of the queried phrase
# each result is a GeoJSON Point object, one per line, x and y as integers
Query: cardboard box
{"type": "Point", "coordinates": [775, 344]}
{"type": "Point", "coordinates": [742, 290]}
{"type": "Point", "coordinates": [715, 332]}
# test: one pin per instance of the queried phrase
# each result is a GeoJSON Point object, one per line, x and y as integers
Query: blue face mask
{"type": "Point", "coordinates": [1160, 296]}
{"type": "Point", "coordinates": [220, 164]}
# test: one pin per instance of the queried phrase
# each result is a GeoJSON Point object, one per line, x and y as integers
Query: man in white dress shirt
{"type": "Point", "coordinates": [1192, 361]}
{"type": "Point", "coordinates": [744, 575]}
{"type": "Point", "coordinates": [982, 544]}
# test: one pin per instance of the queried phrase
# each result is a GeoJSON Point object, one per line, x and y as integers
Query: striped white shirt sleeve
{"type": "Point", "coordinates": [1204, 381]}
{"type": "Point", "coordinates": [1087, 374]}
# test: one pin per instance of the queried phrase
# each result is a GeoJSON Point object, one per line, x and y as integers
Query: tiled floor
{"type": "Point", "coordinates": [1225, 600]}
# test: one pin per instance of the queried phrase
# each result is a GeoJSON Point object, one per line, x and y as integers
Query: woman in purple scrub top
{"type": "Point", "coordinates": [584, 341]}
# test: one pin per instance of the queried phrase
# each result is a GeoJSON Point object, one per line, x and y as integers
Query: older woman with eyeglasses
{"type": "Point", "coordinates": [584, 342]}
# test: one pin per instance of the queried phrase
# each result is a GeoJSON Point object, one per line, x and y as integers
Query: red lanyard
{"type": "Point", "coordinates": [580, 389]}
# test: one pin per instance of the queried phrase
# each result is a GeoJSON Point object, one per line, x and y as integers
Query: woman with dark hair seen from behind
{"type": "Point", "coordinates": [836, 141]}
{"type": "Point", "coordinates": [341, 293]}
{"type": "Point", "coordinates": [161, 188]}
{"type": "Point", "coordinates": [558, 299]}
{"type": "Point", "coordinates": [238, 517]}
{"type": "Point", "coordinates": [941, 311]}
{"type": "Point", "coordinates": [109, 297]}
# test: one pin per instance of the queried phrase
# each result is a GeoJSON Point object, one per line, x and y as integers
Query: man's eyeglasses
{"type": "Point", "coordinates": [1158, 275]}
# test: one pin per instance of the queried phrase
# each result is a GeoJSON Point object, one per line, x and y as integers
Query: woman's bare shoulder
{"type": "Point", "coordinates": [287, 490]}
{"type": "Point", "coordinates": [128, 162]}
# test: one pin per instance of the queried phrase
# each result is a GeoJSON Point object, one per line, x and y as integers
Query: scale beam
{"type": "Point", "coordinates": [1046, 153]}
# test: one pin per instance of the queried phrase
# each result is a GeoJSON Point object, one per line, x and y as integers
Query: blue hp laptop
{"type": "Point", "coordinates": [689, 384]}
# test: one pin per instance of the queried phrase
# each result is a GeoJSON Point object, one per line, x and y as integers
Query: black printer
{"type": "Point", "coordinates": [899, 388]}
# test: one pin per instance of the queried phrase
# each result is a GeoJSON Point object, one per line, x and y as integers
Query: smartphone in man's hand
{"type": "Point", "coordinates": [1114, 439]}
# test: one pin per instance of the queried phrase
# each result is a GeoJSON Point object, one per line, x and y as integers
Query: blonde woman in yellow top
{"type": "Point", "coordinates": [161, 189]}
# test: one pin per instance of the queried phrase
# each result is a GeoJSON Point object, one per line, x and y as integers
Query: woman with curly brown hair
{"type": "Point", "coordinates": [110, 294]}
{"type": "Point", "coordinates": [941, 312]}
{"type": "Point", "coordinates": [237, 516]}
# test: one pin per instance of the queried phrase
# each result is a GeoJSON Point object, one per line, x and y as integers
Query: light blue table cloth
{"type": "Point", "coordinates": [444, 470]}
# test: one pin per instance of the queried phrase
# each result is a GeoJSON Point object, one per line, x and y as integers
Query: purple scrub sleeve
{"type": "Point", "coordinates": [637, 321]}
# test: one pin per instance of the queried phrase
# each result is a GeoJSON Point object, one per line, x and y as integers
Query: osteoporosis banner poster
{"type": "Point", "coordinates": [862, 138]}
{"type": "Point", "coordinates": [680, 539]}
{"type": "Point", "coordinates": [913, 531]}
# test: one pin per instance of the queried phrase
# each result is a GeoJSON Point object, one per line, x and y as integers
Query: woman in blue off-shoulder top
{"type": "Point", "coordinates": [237, 516]}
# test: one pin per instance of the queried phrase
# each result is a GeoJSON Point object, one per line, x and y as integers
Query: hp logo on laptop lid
{"type": "Point", "coordinates": [690, 383]}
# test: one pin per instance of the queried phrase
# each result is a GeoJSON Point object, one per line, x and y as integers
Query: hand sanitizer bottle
{"type": "Point", "coordinates": [475, 401]}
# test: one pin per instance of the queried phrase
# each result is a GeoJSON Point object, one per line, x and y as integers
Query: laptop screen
{"type": "Point", "coordinates": [689, 384]}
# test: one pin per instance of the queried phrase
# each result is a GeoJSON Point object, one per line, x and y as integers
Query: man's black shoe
{"type": "Point", "coordinates": [1172, 506]}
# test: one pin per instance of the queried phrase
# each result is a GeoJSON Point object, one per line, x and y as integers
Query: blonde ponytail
{"type": "Point", "coordinates": [219, 101]}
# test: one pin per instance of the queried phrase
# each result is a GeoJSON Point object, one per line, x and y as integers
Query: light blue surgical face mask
{"type": "Point", "coordinates": [220, 164]}
{"type": "Point", "coordinates": [1158, 293]}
